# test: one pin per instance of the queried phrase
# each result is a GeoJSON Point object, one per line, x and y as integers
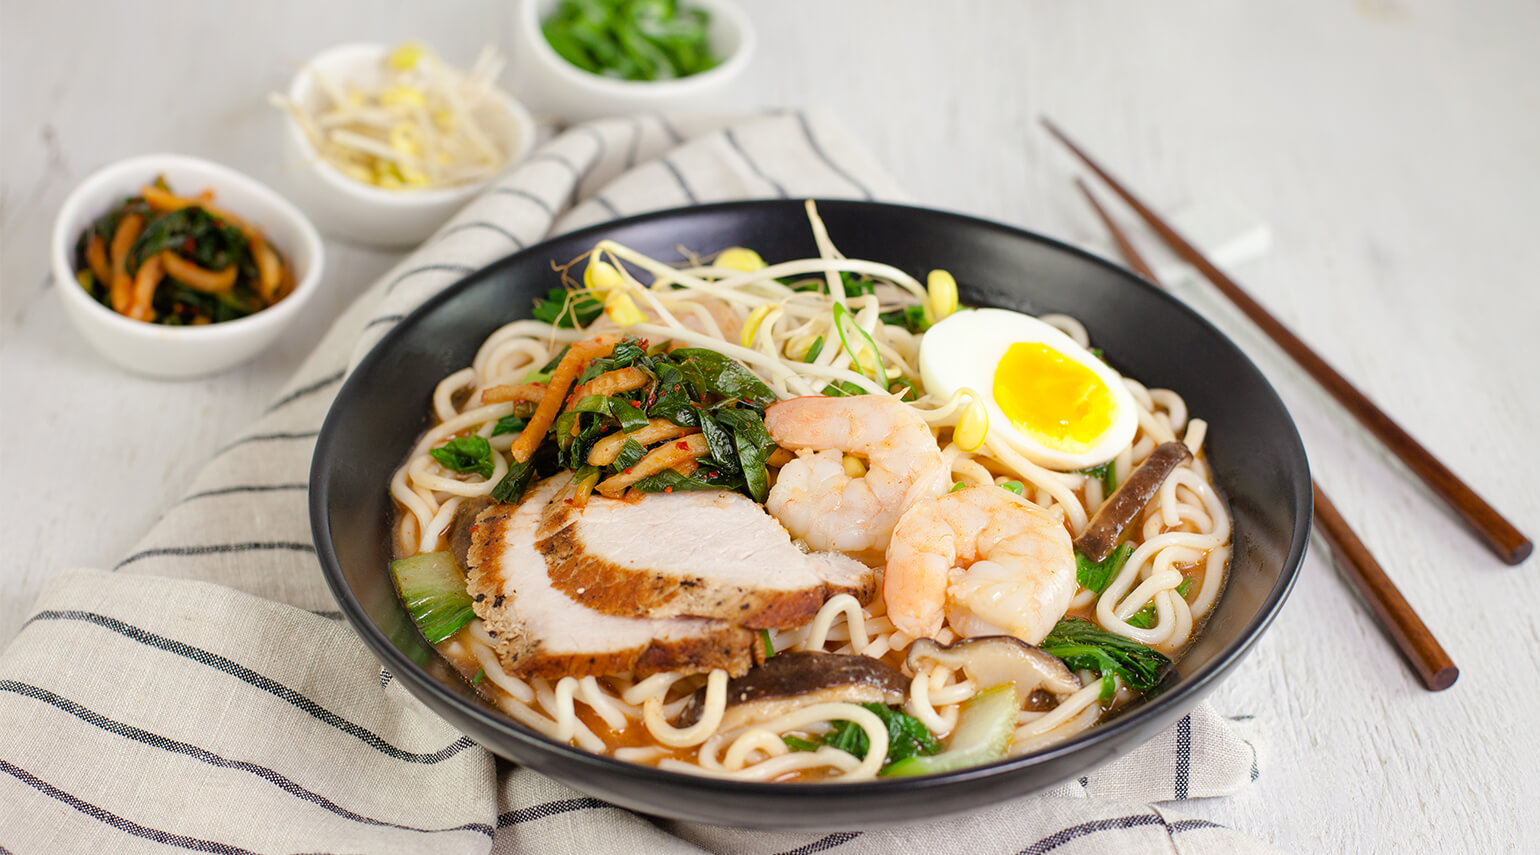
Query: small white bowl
{"type": "Point", "coordinates": [179, 352]}
{"type": "Point", "coordinates": [350, 209]}
{"type": "Point", "coordinates": [550, 84]}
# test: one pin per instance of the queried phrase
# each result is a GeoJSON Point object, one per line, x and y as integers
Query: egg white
{"type": "Point", "coordinates": [965, 349]}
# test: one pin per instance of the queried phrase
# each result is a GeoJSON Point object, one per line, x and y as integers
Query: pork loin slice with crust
{"type": "Point", "coordinates": [541, 632]}
{"type": "Point", "coordinates": [701, 554]}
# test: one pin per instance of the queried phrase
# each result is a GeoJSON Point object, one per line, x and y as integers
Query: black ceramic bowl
{"type": "Point", "coordinates": [1252, 445]}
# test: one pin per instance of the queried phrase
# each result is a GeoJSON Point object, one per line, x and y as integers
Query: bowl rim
{"type": "Point", "coordinates": [1185, 694]}
{"type": "Point", "coordinates": [529, 17]}
{"type": "Point", "coordinates": [62, 245]}
{"type": "Point", "coordinates": [350, 52]}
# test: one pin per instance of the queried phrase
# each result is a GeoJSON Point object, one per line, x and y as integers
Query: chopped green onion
{"type": "Point", "coordinates": [842, 389]}
{"type": "Point", "coordinates": [630, 453]}
{"type": "Point", "coordinates": [841, 315]}
{"type": "Point", "coordinates": [631, 40]}
{"type": "Point", "coordinates": [513, 485]}
{"type": "Point", "coordinates": [799, 744]}
{"type": "Point", "coordinates": [911, 318]}
{"type": "Point", "coordinates": [1015, 487]}
{"type": "Point", "coordinates": [813, 350]}
{"type": "Point", "coordinates": [567, 309]}
{"type": "Point", "coordinates": [632, 419]}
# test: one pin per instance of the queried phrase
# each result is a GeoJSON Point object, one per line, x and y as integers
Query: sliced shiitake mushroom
{"type": "Point", "coordinates": [788, 681]}
{"type": "Point", "coordinates": [1116, 514]}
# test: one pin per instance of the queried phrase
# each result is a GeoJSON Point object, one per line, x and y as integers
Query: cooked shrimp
{"type": "Point", "coordinates": [990, 561]}
{"type": "Point", "coordinates": [818, 501]}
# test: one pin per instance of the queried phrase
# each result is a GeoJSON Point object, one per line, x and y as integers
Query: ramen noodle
{"type": "Point", "coordinates": [803, 521]}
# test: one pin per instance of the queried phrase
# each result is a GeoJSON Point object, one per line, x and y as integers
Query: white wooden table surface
{"type": "Point", "coordinates": [1392, 145]}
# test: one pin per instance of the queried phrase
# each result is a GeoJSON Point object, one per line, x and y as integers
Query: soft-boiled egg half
{"type": "Point", "coordinates": [1048, 397]}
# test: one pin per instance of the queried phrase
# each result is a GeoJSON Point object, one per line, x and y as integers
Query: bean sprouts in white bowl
{"type": "Point", "coordinates": [347, 207]}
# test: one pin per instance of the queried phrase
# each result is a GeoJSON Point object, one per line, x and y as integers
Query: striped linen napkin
{"type": "Point", "coordinates": [204, 695]}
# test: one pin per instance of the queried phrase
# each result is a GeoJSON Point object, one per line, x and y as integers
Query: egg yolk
{"type": "Point", "coordinates": [1051, 398]}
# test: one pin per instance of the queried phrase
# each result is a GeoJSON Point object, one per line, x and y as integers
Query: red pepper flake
{"type": "Point", "coordinates": [628, 470]}
{"type": "Point", "coordinates": [189, 245]}
{"type": "Point", "coordinates": [682, 445]}
{"type": "Point", "coordinates": [668, 489]}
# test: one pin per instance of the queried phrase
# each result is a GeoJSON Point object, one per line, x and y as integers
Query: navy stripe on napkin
{"type": "Point", "coordinates": [271, 437]}
{"type": "Point", "coordinates": [215, 549]}
{"type": "Point", "coordinates": [125, 825]}
{"type": "Point", "coordinates": [541, 811]}
{"type": "Point", "coordinates": [1183, 757]}
{"type": "Point", "coordinates": [812, 142]}
{"type": "Point", "coordinates": [242, 488]}
{"type": "Point", "coordinates": [250, 677]}
{"type": "Point", "coordinates": [824, 844]}
{"type": "Point", "coordinates": [303, 391]}
{"type": "Point", "coordinates": [174, 746]}
{"type": "Point", "coordinates": [732, 140]}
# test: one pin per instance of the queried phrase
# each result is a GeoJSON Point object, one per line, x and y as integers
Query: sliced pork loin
{"type": "Point", "coordinates": [702, 554]}
{"type": "Point", "coordinates": [541, 632]}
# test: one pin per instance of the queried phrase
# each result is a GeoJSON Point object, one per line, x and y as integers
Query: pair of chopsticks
{"type": "Point", "coordinates": [1410, 635]}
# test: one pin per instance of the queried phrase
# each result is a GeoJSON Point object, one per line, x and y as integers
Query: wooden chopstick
{"type": "Point", "coordinates": [1407, 631]}
{"type": "Point", "coordinates": [1125, 246]}
{"type": "Point", "coordinates": [1411, 636]}
{"type": "Point", "coordinates": [1130, 254]}
{"type": "Point", "coordinates": [1505, 540]}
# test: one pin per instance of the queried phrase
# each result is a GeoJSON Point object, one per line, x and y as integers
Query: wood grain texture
{"type": "Point", "coordinates": [1401, 623]}
{"type": "Point", "coordinates": [1391, 146]}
